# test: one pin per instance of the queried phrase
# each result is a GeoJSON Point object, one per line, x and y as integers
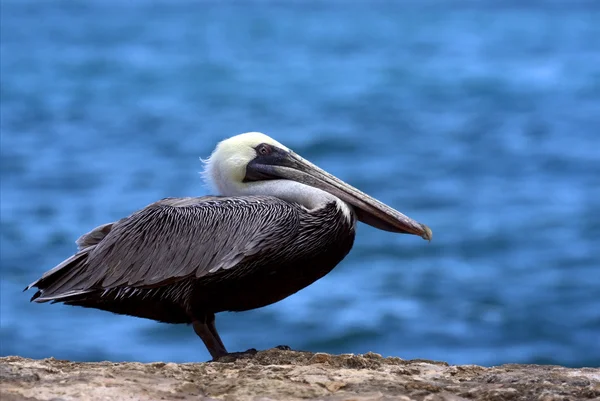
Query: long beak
{"type": "Point", "coordinates": [368, 210]}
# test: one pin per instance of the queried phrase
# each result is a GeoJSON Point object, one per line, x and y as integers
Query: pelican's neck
{"type": "Point", "coordinates": [291, 191]}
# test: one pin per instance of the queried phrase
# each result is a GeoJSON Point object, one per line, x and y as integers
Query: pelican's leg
{"type": "Point", "coordinates": [205, 329]}
{"type": "Point", "coordinates": [213, 329]}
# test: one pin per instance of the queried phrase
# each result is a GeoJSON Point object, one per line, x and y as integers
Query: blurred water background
{"type": "Point", "coordinates": [480, 119]}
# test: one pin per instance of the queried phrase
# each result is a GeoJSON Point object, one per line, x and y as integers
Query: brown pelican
{"type": "Point", "coordinates": [279, 224]}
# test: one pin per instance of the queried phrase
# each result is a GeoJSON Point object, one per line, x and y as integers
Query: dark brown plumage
{"type": "Point", "coordinates": [175, 261]}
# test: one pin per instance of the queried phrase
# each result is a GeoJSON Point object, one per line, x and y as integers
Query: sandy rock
{"type": "Point", "coordinates": [290, 375]}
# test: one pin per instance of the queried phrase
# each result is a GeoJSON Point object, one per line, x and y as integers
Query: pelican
{"type": "Point", "coordinates": [279, 224]}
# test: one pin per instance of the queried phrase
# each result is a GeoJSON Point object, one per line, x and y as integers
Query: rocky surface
{"type": "Point", "coordinates": [288, 375]}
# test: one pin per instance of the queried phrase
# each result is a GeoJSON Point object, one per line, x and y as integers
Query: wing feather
{"type": "Point", "coordinates": [94, 236]}
{"type": "Point", "coordinates": [177, 238]}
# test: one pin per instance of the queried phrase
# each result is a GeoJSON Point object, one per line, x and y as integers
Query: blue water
{"type": "Point", "coordinates": [482, 121]}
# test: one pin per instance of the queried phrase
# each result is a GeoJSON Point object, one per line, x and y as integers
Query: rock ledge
{"type": "Point", "coordinates": [289, 375]}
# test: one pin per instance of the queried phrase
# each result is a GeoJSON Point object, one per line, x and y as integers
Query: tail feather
{"type": "Point", "coordinates": [58, 282]}
{"type": "Point", "coordinates": [57, 271]}
{"type": "Point", "coordinates": [65, 281]}
{"type": "Point", "coordinates": [62, 297]}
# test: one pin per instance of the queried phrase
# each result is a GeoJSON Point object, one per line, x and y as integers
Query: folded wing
{"type": "Point", "coordinates": [170, 240]}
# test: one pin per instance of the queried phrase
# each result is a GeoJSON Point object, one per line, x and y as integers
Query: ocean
{"type": "Point", "coordinates": [479, 119]}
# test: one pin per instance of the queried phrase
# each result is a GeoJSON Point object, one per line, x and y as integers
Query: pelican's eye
{"type": "Point", "coordinates": [264, 149]}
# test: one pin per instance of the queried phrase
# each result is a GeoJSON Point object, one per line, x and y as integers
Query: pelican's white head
{"type": "Point", "coordinates": [225, 169]}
